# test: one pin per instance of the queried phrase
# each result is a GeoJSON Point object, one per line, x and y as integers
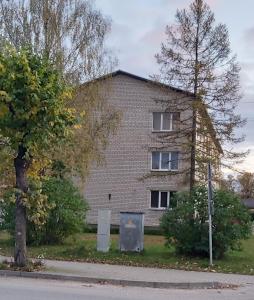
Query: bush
{"type": "Point", "coordinates": [186, 226]}
{"type": "Point", "coordinates": [67, 216]}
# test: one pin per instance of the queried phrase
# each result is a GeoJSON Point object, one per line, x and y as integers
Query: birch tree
{"type": "Point", "coordinates": [71, 34]}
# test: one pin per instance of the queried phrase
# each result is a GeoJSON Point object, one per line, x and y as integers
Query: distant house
{"type": "Point", "coordinates": [143, 168]}
{"type": "Point", "coordinates": [249, 203]}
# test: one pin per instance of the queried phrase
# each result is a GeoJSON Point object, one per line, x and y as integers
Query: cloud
{"type": "Point", "coordinates": [154, 36]}
{"type": "Point", "coordinates": [137, 33]}
{"type": "Point", "coordinates": [247, 77]}
{"type": "Point", "coordinates": [248, 43]}
{"type": "Point", "coordinates": [249, 36]}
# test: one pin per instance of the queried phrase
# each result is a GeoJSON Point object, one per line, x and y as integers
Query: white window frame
{"type": "Point", "coordinates": [160, 161]}
{"type": "Point", "coordinates": [159, 203]}
{"type": "Point", "coordinates": [161, 122]}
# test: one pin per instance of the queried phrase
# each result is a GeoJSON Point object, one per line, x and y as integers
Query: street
{"type": "Point", "coordinates": [35, 289]}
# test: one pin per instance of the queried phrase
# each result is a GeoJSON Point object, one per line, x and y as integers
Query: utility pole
{"type": "Point", "coordinates": [210, 212]}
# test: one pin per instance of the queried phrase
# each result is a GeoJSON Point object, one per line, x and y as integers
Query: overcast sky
{"type": "Point", "coordinates": [138, 28]}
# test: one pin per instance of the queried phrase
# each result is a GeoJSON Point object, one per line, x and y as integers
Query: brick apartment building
{"type": "Point", "coordinates": [140, 172]}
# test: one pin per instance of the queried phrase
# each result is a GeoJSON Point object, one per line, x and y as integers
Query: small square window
{"type": "Point", "coordinates": [165, 161]}
{"type": "Point", "coordinates": [163, 199]}
{"type": "Point", "coordinates": [166, 121]}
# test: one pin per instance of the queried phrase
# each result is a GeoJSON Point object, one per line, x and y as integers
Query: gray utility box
{"type": "Point", "coordinates": [131, 231]}
{"type": "Point", "coordinates": [103, 230]}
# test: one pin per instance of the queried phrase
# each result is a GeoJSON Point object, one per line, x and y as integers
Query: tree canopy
{"type": "Point", "coordinates": [35, 118]}
{"type": "Point", "coordinates": [71, 35]}
{"type": "Point", "coordinates": [33, 103]}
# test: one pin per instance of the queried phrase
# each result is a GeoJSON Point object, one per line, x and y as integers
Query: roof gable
{"type": "Point", "coordinates": [133, 76]}
{"type": "Point", "coordinates": [166, 86]}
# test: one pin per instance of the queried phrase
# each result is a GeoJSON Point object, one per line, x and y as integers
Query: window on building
{"type": "Point", "coordinates": [164, 121]}
{"type": "Point", "coordinates": [165, 161]}
{"type": "Point", "coordinates": [163, 199]}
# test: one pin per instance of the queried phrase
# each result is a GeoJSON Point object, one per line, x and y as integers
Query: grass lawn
{"type": "Point", "coordinates": [83, 248]}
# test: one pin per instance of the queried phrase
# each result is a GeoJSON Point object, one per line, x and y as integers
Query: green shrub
{"type": "Point", "coordinates": [186, 226]}
{"type": "Point", "coordinates": [7, 213]}
{"type": "Point", "coordinates": [67, 216]}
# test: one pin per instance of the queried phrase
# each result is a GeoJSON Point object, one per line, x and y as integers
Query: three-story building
{"type": "Point", "coordinates": [148, 159]}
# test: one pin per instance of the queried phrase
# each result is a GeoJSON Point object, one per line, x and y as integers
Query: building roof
{"type": "Point", "coordinates": [121, 72]}
{"type": "Point", "coordinates": [159, 84]}
{"type": "Point", "coordinates": [249, 203]}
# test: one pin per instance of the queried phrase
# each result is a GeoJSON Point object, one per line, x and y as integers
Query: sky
{"type": "Point", "coordinates": [138, 29]}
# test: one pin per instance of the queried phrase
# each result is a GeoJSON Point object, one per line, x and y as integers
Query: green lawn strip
{"type": "Point", "coordinates": [83, 248]}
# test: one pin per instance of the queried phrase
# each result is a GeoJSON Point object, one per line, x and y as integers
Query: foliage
{"type": "Point", "coordinates": [229, 183]}
{"type": "Point", "coordinates": [34, 112]}
{"type": "Point", "coordinates": [186, 226]}
{"type": "Point", "coordinates": [35, 200]}
{"type": "Point", "coordinates": [6, 166]}
{"type": "Point", "coordinates": [65, 217]}
{"type": "Point", "coordinates": [246, 182]}
{"type": "Point", "coordinates": [71, 33]}
{"type": "Point", "coordinates": [98, 120]}
{"type": "Point", "coordinates": [39, 124]}
{"type": "Point", "coordinates": [35, 118]}
{"type": "Point", "coordinates": [47, 27]}
{"type": "Point", "coordinates": [33, 101]}
{"type": "Point", "coordinates": [196, 58]}
{"type": "Point", "coordinates": [242, 184]}
{"type": "Point", "coordinates": [32, 266]}
{"type": "Point", "coordinates": [68, 215]}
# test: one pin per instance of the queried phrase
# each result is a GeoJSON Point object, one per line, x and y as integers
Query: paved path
{"type": "Point", "coordinates": [35, 289]}
{"type": "Point", "coordinates": [140, 275]}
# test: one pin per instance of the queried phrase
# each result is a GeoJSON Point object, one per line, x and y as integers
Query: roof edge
{"type": "Point", "coordinates": [159, 84]}
{"type": "Point", "coordinates": [124, 73]}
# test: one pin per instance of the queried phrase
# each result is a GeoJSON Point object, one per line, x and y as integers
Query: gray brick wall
{"type": "Point", "coordinates": [126, 172]}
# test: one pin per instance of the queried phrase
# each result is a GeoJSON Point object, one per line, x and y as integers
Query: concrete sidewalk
{"type": "Point", "coordinates": [135, 276]}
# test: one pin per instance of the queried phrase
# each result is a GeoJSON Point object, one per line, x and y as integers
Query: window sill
{"type": "Point", "coordinates": [163, 171]}
{"type": "Point", "coordinates": [158, 209]}
{"type": "Point", "coordinates": [162, 131]}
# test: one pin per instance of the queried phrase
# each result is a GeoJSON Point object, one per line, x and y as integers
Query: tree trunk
{"type": "Point", "coordinates": [193, 149]}
{"type": "Point", "coordinates": [21, 165]}
{"type": "Point", "coordinates": [194, 116]}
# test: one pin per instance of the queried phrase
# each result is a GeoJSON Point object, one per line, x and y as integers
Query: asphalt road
{"type": "Point", "coordinates": [35, 289]}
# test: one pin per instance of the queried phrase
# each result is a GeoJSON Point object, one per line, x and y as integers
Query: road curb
{"type": "Point", "coordinates": [119, 282]}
